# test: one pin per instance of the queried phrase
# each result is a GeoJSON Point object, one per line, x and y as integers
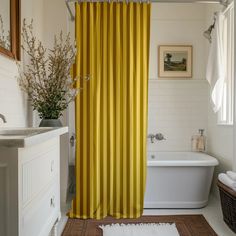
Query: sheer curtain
{"type": "Point", "coordinates": [216, 66]}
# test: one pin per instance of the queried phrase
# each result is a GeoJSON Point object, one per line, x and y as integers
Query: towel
{"type": "Point", "coordinates": [232, 175]}
{"type": "Point", "coordinates": [226, 180]}
{"type": "Point", "coordinates": [216, 66]}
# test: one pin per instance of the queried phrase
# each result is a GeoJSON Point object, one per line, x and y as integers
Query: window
{"type": "Point", "coordinates": [226, 113]}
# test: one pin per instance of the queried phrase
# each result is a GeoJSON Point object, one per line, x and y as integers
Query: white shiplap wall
{"type": "Point", "coordinates": [12, 102]}
{"type": "Point", "coordinates": [178, 24]}
{"type": "Point", "coordinates": [177, 109]}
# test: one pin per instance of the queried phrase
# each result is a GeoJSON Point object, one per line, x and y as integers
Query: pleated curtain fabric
{"type": "Point", "coordinates": [111, 111]}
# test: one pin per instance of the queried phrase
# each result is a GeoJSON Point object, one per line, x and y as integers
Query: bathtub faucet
{"type": "Point", "coordinates": [3, 118]}
{"type": "Point", "coordinates": [151, 136]}
{"type": "Point", "coordinates": [159, 137]}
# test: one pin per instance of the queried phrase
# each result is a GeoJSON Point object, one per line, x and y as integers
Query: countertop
{"type": "Point", "coordinates": [23, 137]}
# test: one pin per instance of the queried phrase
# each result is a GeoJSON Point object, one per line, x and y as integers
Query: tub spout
{"type": "Point", "coordinates": [152, 137]}
{"type": "Point", "coordinates": [3, 118]}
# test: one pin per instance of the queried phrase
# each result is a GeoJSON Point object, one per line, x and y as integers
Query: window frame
{"type": "Point", "coordinates": [226, 113]}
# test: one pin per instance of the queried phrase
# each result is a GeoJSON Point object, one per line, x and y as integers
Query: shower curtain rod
{"type": "Point", "coordinates": [222, 2]}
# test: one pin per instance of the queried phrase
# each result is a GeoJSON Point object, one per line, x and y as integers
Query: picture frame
{"type": "Point", "coordinates": [14, 20]}
{"type": "Point", "coordinates": [175, 61]}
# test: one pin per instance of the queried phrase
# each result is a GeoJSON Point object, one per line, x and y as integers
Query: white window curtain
{"type": "Point", "coordinates": [216, 66]}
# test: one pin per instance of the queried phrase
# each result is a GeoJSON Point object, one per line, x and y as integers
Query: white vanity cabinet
{"type": "Point", "coordinates": [30, 184]}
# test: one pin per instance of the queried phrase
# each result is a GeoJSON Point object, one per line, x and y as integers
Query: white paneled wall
{"type": "Point", "coordinates": [178, 24]}
{"type": "Point", "coordinates": [12, 102]}
{"type": "Point", "coordinates": [177, 109]}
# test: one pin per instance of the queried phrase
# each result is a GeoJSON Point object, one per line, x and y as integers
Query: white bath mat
{"type": "Point", "coordinates": [150, 229]}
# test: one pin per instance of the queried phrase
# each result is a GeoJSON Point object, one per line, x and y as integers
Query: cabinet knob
{"type": "Point", "coordinates": [52, 201]}
{"type": "Point", "coordinates": [72, 140]}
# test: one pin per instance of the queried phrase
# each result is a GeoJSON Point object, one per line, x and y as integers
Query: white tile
{"type": "Point", "coordinates": [12, 100]}
{"type": "Point", "coordinates": [177, 109]}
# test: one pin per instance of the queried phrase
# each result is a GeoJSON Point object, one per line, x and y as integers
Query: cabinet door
{"type": "Point", "coordinates": [38, 219]}
{"type": "Point", "coordinates": [39, 165]}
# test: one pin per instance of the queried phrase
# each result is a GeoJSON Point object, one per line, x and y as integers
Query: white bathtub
{"type": "Point", "coordinates": [178, 179]}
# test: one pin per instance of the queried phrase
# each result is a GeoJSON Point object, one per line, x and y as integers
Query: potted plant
{"type": "Point", "coordinates": [46, 77]}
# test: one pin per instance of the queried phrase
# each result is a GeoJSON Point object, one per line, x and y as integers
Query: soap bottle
{"type": "Point", "coordinates": [201, 143]}
{"type": "Point", "coordinates": [194, 142]}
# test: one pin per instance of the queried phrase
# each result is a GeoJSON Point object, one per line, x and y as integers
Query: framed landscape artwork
{"type": "Point", "coordinates": [175, 61]}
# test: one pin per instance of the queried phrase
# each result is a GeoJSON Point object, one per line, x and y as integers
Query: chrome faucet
{"type": "Point", "coordinates": [151, 136]}
{"type": "Point", "coordinates": [158, 137]}
{"type": "Point", "coordinates": [3, 118]}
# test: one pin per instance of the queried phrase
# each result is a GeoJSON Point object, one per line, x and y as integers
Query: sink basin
{"type": "Point", "coordinates": [22, 137]}
{"type": "Point", "coordinates": [22, 132]}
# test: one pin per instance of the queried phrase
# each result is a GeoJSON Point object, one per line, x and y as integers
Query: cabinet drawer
{"type": "Point", "coordinates": [38, 172]}
{"type": "Point", "coordinates": [38, 218]}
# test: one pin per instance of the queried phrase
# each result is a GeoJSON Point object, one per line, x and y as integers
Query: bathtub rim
{"type": "Point", "coordinates": [208, 161]}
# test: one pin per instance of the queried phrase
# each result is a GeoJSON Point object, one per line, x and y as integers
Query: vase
{"type": "Point", "coordinates": [50, 123]}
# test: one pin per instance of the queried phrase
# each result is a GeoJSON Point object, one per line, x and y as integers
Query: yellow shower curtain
{"type": "Point", "coordinates": [111, 111]}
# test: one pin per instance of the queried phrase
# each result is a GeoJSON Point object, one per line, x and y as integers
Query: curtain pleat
{"type": "Point", "coordinates": [111, 111]}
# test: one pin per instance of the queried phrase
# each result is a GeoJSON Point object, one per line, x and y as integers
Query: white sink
{"type": "Point", "coordinates": [23, 132]}
{"type": "Point", "coordinates": [21, 137]}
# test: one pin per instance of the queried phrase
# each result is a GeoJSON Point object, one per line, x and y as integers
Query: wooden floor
{"type": "Point", "coordinates": [187, 225]}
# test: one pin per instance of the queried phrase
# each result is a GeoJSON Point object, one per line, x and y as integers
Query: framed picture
{"type": "Point", "coordinates": [175, 61]}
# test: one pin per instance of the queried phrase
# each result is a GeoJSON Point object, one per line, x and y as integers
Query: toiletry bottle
{"type": "Point", "coordinates": [201, 142]}
{"type": "Point", "coordinates": [194, 143]}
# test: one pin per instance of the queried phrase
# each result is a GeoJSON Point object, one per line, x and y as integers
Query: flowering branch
{"type": "Point", "coordinates": [46, 78]}
{"type": "Point", "coordinates": [4, 39]}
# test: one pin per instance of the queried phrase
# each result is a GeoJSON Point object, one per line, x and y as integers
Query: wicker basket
{"type": "Point", "coordinates": [228, 204]}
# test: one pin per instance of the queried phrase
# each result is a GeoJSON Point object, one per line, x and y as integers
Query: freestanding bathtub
{"type": "Point", "coordinates": [178, 179]}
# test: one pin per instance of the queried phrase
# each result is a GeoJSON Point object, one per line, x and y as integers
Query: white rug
{"type": "Point", "coordinates": [140, 230]}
